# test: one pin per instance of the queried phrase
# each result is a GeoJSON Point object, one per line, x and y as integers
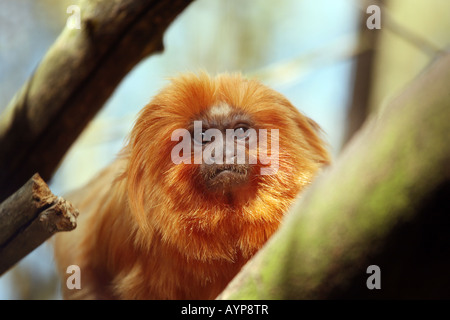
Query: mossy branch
{"type": "Point", "coordinates": [384, 202]}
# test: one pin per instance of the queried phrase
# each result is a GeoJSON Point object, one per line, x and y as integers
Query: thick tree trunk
{"type": "Point", "coordinates": [73, 81]}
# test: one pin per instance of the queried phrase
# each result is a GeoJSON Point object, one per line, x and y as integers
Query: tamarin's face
{"type": "Point", "coordinates": [223, 155]}
{"type": "Point", "coordinates": [224, 142]}
{"type": "Point", "coordinates": [220, 170]}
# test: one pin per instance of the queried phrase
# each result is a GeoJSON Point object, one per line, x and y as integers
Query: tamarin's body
{"type": "Point", "coordinates": [150, 228]}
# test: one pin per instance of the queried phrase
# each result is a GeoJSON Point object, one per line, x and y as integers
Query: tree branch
{"type": "Point", "coordinates": [28, 218]}
{"type": "Point", "coordinates": [384, 202]}
{"type": "Point", "coordinates": [358, 110]}
{"type": "Point", "coordinates": [73, 81]}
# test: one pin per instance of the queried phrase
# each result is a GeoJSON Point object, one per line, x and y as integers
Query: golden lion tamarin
{"type": "Point", "coordinates": [179, 212]}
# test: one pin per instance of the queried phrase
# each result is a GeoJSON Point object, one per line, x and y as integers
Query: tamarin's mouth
{"type": "Point", "coordinates": [224, 177]}
{"type": "Point", "coordinates": [227, 168]}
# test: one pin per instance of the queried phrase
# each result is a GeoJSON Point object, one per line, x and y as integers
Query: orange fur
{"type": "Point", "coordinates": [149, 230]}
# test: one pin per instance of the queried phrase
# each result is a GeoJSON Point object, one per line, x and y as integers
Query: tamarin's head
{"type": "Point", "coordinates": [214, 163]}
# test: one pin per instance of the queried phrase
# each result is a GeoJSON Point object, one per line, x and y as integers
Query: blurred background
{"type": "Point", "coordinates": [318, 53]}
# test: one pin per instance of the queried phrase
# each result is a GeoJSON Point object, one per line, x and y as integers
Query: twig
{"type": "Point", "coordinates": [403, 31]}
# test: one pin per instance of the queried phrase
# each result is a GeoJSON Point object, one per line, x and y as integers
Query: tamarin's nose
{"type": "Point", "coordinates": [229, 153]}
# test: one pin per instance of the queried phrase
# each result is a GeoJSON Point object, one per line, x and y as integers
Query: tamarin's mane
{"type": "Point", "coordinates": [151, 229]}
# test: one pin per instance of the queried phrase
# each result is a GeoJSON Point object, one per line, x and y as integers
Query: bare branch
{"type": "Point", "coordinates": [28, 218]}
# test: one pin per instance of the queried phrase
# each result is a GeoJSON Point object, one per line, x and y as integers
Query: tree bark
{"type": "Point", "coordinates": [384, 202]}
{"type": "Point", "coordinates": [28, 218]}
{"type": "Point", "coordinates": [73, 81]}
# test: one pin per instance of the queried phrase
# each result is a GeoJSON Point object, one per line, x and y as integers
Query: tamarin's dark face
{"type": "Point", "coordinates": [224, 140]}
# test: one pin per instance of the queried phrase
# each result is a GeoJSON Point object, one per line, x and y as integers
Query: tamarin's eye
{"type": "Point", "coordinates": [241, 132]}
{"type": "Point", "coordinates": [200, 138]}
